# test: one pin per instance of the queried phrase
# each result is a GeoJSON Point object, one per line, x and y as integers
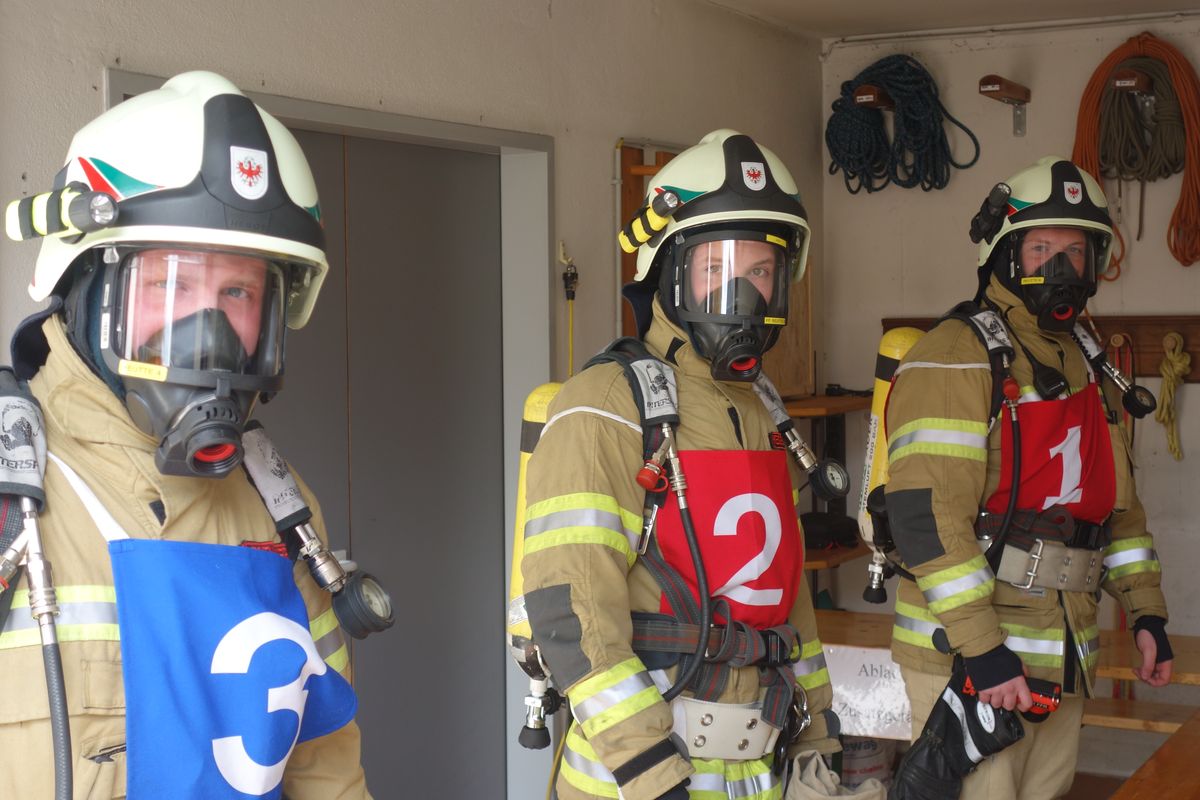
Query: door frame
{"type": "Point", "coordinates": [527, 288]}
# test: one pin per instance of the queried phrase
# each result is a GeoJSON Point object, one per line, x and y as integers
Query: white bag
{"type": "Point", "coordinates": [812, 780]}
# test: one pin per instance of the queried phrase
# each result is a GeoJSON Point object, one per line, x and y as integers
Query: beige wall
{"type": "Point", "coordinates": [904, 252]}
{"type": "Point", "coordinates": [585, 73]}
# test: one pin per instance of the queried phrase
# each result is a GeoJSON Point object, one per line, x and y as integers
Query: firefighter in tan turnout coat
{"type": "Point", "coordinates": [1076, 510]}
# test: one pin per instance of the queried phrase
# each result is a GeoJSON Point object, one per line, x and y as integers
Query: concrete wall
{"type": "Point", "coordinates": [904, 252]}
{"type": "Point", "coordinates": [585, 73]}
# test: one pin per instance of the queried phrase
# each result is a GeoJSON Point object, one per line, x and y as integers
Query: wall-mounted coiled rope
{"type": "Point", "coordinates": [1183, 233]}
{"type": "Point", "coordinates": [918, 153]}
{"type": "Point", "coordinates": [1175, 366]}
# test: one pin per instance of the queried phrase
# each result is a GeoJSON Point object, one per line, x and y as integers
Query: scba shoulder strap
{"type": "Point", "coordinates": [989, 328]}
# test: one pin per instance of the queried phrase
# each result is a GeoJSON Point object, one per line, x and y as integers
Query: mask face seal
{"type": "Point", "coordinates": [730, 292]}
{"type": "Point", "coordinates": [1054, 270]}
{"type": "Point", "coordinates": [194, 337]}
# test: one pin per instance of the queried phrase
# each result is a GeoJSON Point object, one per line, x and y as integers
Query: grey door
{"type": "Point", "coordinates": [392, 413]}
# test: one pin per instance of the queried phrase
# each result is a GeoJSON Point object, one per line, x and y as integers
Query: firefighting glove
{"type": "Point", "coordinates": [960, 732]}
{"type": "Point", "coordinates": [22, 440]}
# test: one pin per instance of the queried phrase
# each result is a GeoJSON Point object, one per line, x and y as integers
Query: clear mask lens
{"type": "Point", "coordinates": [202, 310]}
{"type": "Point", "coordinates": [711, 273]}
{"type": "Point", "coordinates": [1059, 255]}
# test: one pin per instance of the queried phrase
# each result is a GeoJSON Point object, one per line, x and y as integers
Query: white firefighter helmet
{"type": "Point", "coordinates": [1054, 193]}
{"type": "Point", "coordinates": [241, 184]}
{"type": "Point", "coordinates": [727, 178]}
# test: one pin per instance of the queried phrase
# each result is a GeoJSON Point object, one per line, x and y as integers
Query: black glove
{"type": "Point", "coordinates": [959, 734]}
{"type": "Point", "coordinates": [679, 792]}
{"type": "Point", "coordinates": [1157, 628]}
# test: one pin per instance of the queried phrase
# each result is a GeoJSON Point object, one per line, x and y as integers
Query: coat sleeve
{"type": "Point", "coordinates": [937, 439]}
{"type": "Point", "coordinates": [328, 767]}
{"type": "Point", "coordinates": [812, 675]}
{"type": "Point", "coordinates": [1133, 573]}
{"type": "Point", "coordinates": [582, 522]}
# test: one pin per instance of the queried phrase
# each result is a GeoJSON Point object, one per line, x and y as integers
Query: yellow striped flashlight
{"type": "Point", "coordinates": [71, 211]}
{"type": "Point", "coordinates": [649, 221]}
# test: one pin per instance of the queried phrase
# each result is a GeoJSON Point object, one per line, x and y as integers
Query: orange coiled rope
{"type": "Point", "coordinates": [1183, 234]}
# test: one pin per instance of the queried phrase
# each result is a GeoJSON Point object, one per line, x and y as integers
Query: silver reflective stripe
{"type": "Point", "coordinates": [935, 365]}
{"type": "Point", "coordinates": [69, 614]}
{"type": "Point", "coordinates": [958, 585]}
{"type": "Point", "coordinates": [330, 643]}
{"type": "Point", "coordinates": [579, 517]}
{"type": "Point", "coordinates": [607, 698]}
{"type": "Point", "coordinates": [1089, 647]}
{"type": "Point", "coordinates": [956, 705]}
{"type": "Point", "coordinates": [593, 769]}
{"type": "Point", "coordinates": [1130, 556]}
{"type": "Point", "coordinates": [810, 665]}
{"type": "Point", "coordinates": [755, 784]}
{"type": "Point", "coordinates": [939, 436]}
{"type": "Point", "coordinates": [1047, 647]}
{"type": "Point", "coordinates": [707, 782]}
{"type": "Point", "coordinates": [916, 625]}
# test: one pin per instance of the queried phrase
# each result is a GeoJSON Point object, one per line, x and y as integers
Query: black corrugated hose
{"type": "Point", "coordinates": [919, 153]}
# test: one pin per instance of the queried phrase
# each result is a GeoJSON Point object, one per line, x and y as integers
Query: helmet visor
{"type": "Point", "coordinates": [1059, 255]}
{"type": "Point", "coordinates": [737, 275]}
{"type": "Point", "coordinates": [201, 310]}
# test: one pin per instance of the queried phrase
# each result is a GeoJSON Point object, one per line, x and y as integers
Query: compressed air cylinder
{"type": "Point", "coordinates": [892, 347]}
{"type": "Point", "coordinates": [533, 420]}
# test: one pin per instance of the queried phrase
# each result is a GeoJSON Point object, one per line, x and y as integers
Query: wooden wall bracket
{"type": "Point", "coordinates": [1145, 332]}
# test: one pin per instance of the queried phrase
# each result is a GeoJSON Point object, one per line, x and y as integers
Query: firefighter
{"type": "Point", "coordinates": [1012, 587]}
{"type": "Point", "coordinates": [199, 661]}
{"type": "Point", "coordinates": [610, 583]}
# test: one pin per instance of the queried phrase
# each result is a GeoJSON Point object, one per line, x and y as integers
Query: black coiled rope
{"type": "Point", "coordinates": [918, 154]}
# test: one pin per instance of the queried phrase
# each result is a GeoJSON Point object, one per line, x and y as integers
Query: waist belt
{"type": "Point", "coordinates": [731, 731]}
{"type": "Point", "coordinates": [663, 639]}
{"type": "Point", "coordinates": [1051, 565]}
{"type": "Point", "coordinates": [1054, 524]}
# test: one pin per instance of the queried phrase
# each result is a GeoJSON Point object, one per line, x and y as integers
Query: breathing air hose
{"type": "Point", "coordinates": [679, 486]}
{"type": "Point", "coordinates": [1183, 233]}
{"type": "Point", "coordinates": [995, 551]}
{"type": "Point", "coordinates": [918, 154]}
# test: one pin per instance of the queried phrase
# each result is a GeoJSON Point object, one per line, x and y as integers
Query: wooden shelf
{"type": "Point", "coordinates": [1146, 332]}
{"type": "Point", "coordinates": [824, 406]}
{"type": "Point", "coordinates": [834, 557]}
{"type": "Point", "coordinates": [1135, 715]}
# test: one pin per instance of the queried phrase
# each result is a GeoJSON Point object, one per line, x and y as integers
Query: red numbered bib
{"type": "Point", "coordinates": [1066, 458]}
{"type": "Point", "coordinates": [745, 521]}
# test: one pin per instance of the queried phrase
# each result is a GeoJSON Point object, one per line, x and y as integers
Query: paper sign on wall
{"type": "Point", "coordinates": [868, 692]}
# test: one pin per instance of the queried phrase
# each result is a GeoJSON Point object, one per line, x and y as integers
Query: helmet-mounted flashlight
{"type": "Point", "coordinates": [70, 211]}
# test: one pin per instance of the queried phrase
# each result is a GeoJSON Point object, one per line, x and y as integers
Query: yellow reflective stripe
{"type": "Point", "coordinates": [810, 670]}
{"type": "Point", "coordinates": [339, 659]}
{"type": "Point", "coordinates": [1130, 556]}
{"type": "Point", "coordinates": [323, 624]}
{"type": "Point", "coordinates": [958, 438]}
{"type": "Point", "coordinates": [582, 501]}
{"type": "Point", "coordinates": [622, 711]}
{"type": "Point", "coordinates": [914, 625]}
{"type": "Point", "coordinates": [66, 633]}
{"type": "Point", "coordinates": [582, 768]}
{"type": "Point", "coordinates": [958, 585]}
{"type": "Point", "coordinates": [84, 593]}
{"type": "Point", "coordinates": [583, 534]}
{"type": "Point", "coordinates": [1037, 647]}
{"type": "Point", "coordinates": [610, 677]}
{"type": "Point", "coordinates": [814, 679]}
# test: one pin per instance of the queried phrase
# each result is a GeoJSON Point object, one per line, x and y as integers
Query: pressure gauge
{"type": "Point", "coordinates": [830, 480]}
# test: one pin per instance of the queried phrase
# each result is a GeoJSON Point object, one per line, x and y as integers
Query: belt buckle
{"type": "Point", "coordinates": [1036, 557]}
